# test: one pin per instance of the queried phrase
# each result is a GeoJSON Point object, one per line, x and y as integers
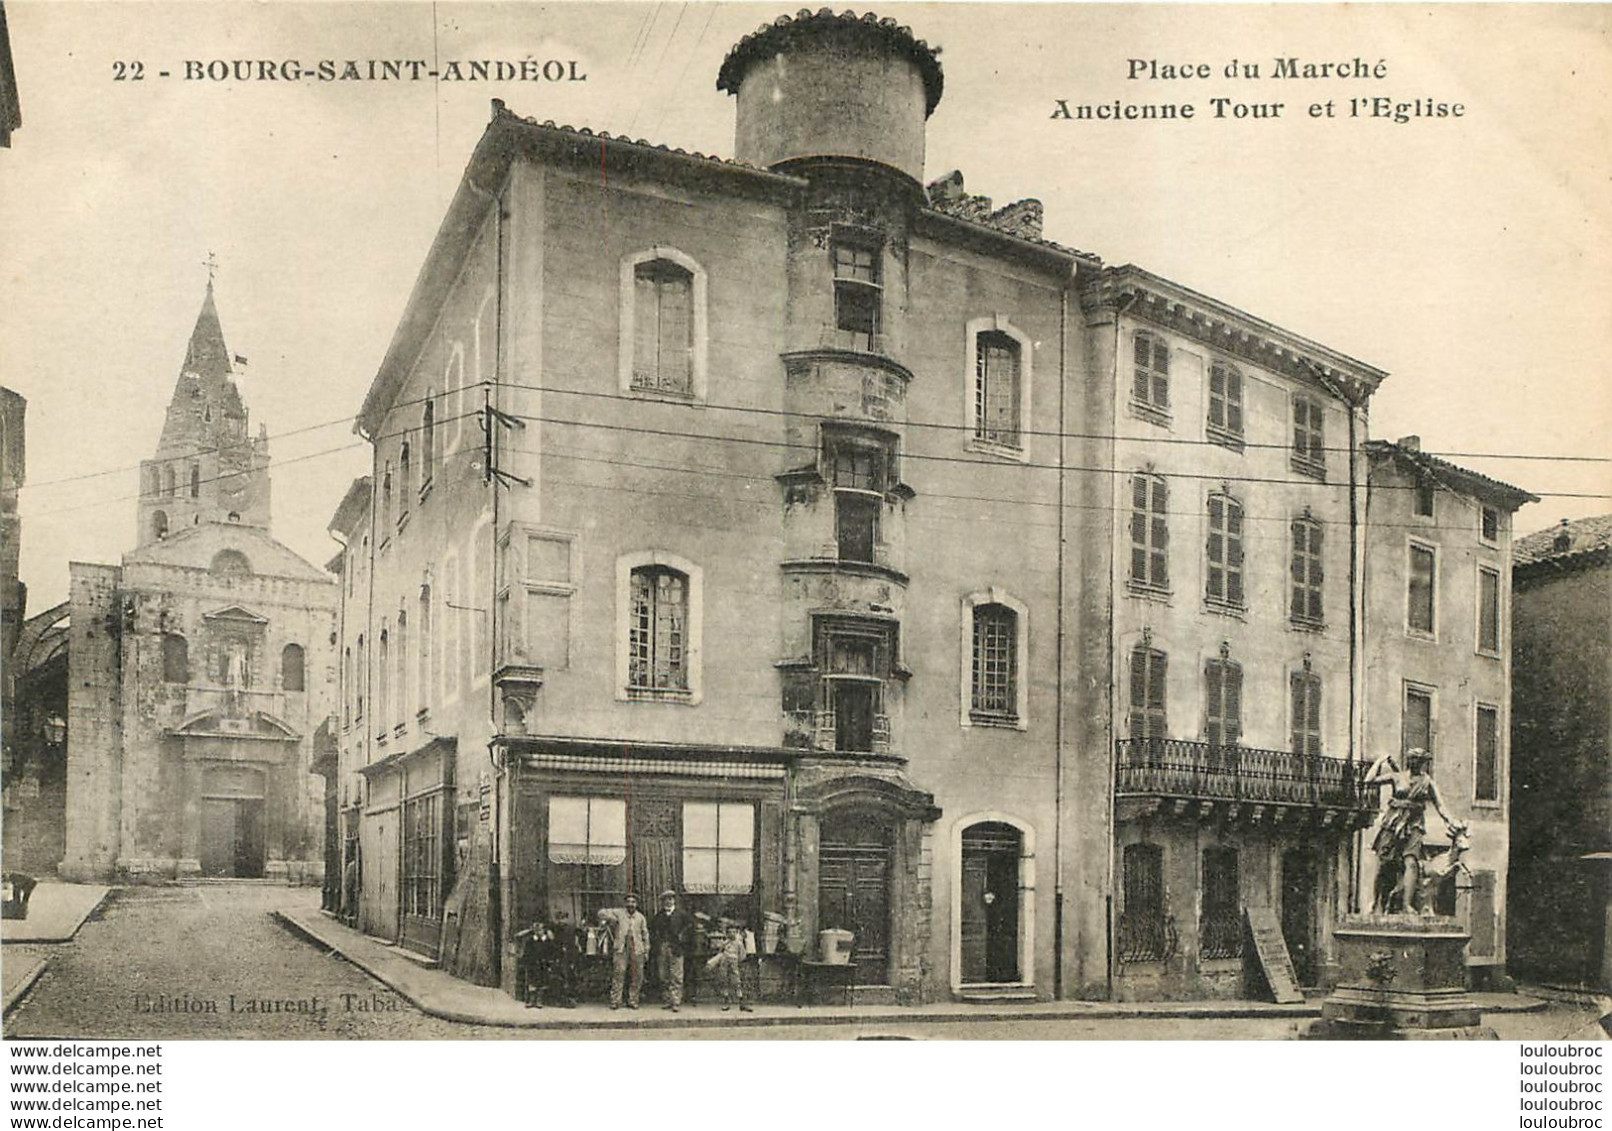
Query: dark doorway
{"type": "Point", "coordinates": [990, 919]}
{"type": "Point", "coordinates": [853, 888]}
{"type": "Point", "coordinates": [232, 837]}
{"type": "Point", "coordinates": [1298, 912]}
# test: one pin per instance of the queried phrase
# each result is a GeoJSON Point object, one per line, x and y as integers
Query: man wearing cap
{"type": "Point", "coordinates": [671, 936]}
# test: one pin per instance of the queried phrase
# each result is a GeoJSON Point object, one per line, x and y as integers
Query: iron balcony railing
{"type": "Point", "coordinates": [1172, 767]}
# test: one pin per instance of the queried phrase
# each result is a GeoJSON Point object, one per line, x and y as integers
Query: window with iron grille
{"type": "Point", "coordinates": [1150, 532]}
{"type": "Point", "coordinates": [1142, 928]}
{"type": "Point", "coordinates": [657, 634]}
{"type": "Point", "coordinates": [1489, 610]}
{"type": "Point", "coordinates": [1309, 436]}
{"type": "Point", "coordinates": [1226, 404]}
{"type": "Point", "coordinates": [857, 291]}
{"type": "Point", "coordinates": [663, 328]}
{"type": "Point", "coordinates": [1223, 693]}
{"type": "Point", "coordinates": [1150, 385]}
{"type": "Point", "coordinates": [1420, 586]}
{"type": "Point", "coordinates": [995, 684]}
{"type": "Point", "coordinates": [1486, 760]}
{"type": "Point", "coordinates": [1220, 928]}
{"type": "Point", "coordinates": [1306, 713]}
{"type": "Point", "coordinates": [719, 847]}
{"type": "Point", "coordinates": [1149, 668]}
{"type": "Point", "coordinates": [423, 852]}
{"type": "Point", "coordinates": [996, 389]}
{"type": "Point", "coordinates": [1225, 574]}
{"type": "Point", "coordinates": [1306, 573]}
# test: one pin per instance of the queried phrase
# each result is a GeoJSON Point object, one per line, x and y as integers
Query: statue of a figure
{"type": "Point", "coordinates": [1401, 854]}
{"type": "Point", "coordinates": [237, 670]}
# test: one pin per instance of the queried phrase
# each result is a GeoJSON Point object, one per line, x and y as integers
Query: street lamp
{"type": "Point", "coordinates": [55, 730]}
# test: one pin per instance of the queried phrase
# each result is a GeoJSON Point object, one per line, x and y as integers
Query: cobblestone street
{"type": "Point", "coordinates": [209, 962]}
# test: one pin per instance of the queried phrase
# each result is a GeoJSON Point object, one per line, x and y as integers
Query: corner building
{"type": "Point", "coordinates": [781, 531]}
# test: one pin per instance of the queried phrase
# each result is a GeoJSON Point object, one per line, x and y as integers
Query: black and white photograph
{"type": "Point", "coordinates": [687, 522]}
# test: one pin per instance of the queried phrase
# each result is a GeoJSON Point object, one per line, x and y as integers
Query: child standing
{"type": "Point", "coordinates": [726, 963]}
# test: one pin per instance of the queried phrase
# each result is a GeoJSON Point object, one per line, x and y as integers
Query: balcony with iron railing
{"type": "Point", "coordinates": [1240, 780]}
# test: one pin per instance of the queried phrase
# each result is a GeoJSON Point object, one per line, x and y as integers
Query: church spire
{"type": "Point", "coordinates": [207, 467]}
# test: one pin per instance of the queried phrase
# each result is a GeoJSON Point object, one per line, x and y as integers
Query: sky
{"type": "Point", "coordinates": [1468, 256]}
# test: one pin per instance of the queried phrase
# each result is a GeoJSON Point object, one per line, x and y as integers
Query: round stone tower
{"type": "Point", "coordinates": [820, 85]}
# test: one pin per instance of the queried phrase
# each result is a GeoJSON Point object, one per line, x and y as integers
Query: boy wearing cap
{"type": "Point", "coordinates": [671, 936]}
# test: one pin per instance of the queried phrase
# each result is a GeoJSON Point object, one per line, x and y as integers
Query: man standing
{"type": "Point", "coordinates": [629, 948]}
{"type": "Point", "coordinates": [671, 935]}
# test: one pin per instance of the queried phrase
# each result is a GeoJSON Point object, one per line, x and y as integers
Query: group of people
{"type": "Point", "coordinates": [549, 952]}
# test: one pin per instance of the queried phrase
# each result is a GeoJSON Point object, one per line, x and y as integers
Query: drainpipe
{"type": "Point", "coordinates": [1121, 308]}
{"type": "Point", "coordinates": [1058, 714]}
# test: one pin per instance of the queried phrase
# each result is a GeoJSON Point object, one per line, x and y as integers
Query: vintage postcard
{"type": "Point", "coordinates": [1057, 521]}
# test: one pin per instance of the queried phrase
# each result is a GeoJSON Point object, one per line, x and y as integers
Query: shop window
{"type": "Point", "coordinates": [424, 852]}
{"type": "Point", "coordinates": [1225, 423]}
{"type": "Point", "coordinates": [1306, 573]}
{"type": "Point", "coordinates": [996, 389]}
{"type": "Point", "coordinates": [663, 328]}
{"type": "Point", "coordinates": [1149, 668]}
{"type": "Point", "coordinates": [1150, 384]}
{"type": "Point", "coordinates": [995, 650]}
{"type": "Point", "coordinates": [1488, 610]}
{"type": "Point", "coordinates": [658, 634]}
{"type": "Point", "coordinates": [858, 293]}
{"type": "Point", "coordinates": [1420, 590]}
{"type": "Point", "coordinates": [175, 658]}
{"type": "Point", "coordinates": [293, 675]}
{"type": "Point", "coordinates": [1143, 934]}
{"type": "Point", "coordinates": [1223, 701]}
{"type": "Point", "coordinates": [1150, 533]}
{"type": "Point", "coordinates": [1486, 755]}
{"type": "Point", "coordinates": [587, 851]}
{"type": "Point", "coordinates": [1225, 550]}
{"type": "Point", "coordinates": [719, 847]}
{"type": "Point", "coordinates": [1309, 437]}
{"type": "Point", "coordinates": [1220, 927]}
{"type": "Point", "coordinates": [1305, 689]}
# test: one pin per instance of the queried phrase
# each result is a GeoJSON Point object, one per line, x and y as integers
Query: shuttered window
{"type": "Point", "coordinates": [1150, 386]}
{"type": "Point", "coordinates": [1226, 403]}
{"type": "Point", "coordinates": [663, 328]}
{"type": "Point", "coordinates": [1150, 532]}
{"type": "Point", "coordinates": [1225, 549]}
{"type": "Point", "coordinates": [1309, 437]}
{"type": "Point", "coordinates": [1223, 691]}
{"type": "Point", "coordinates": [1420, 589]}
{"type": "Point", "coordinates": [1306, 573]}
{"type": "Point", "coordinates": [1306, 714]}
{"type": "Point", "coordinates": [1488, 610]}
{"type": "Point", "coordinates": [1148, 671]}
{"type": "Point", "coordinates": [1486, 756]}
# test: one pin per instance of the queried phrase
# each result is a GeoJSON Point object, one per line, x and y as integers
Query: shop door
{"type": "Point", "coordinates": [1298, 912]}
{"type": "Point", "coordinates": [378, 852]}
{"type": "Point", "coordinates": [853, 890]}
{"type": "Point", "coordinates": [990, 913]}
{"type": "Point", "coordinates": [232, 837]}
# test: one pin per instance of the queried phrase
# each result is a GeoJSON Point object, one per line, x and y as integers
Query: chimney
{"type": "Point", "coordinates": [1409, 443]}
{"type": "Point", "coordinates": [1563, 541]}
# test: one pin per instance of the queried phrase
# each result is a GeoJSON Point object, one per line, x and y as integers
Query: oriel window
{"type": "Point", "coordinates": [858, 293]}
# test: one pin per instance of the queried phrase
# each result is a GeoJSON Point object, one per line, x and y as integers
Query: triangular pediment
{"type": "Point", "coordinates": [219, 723]}
{"type": "Point", "coordinates": [239, 614]}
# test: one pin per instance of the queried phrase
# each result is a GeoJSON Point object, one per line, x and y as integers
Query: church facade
{"type": "Point", "coordinates": [201, 666]}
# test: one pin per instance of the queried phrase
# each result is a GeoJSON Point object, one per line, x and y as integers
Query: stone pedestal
{"type": "Point", "coordinates": [1403, 977]}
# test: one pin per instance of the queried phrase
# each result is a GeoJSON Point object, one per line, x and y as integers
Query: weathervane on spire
{"type": "Point", "coordinates": [211, 263]}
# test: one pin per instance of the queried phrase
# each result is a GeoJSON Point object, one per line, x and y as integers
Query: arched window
{"type": "Point", "coordinates": [662, 342]}
{"type": "Point", "coordinates": [153, 480]}
{"type": "Point", "coordinates": [360, 677]}
{"type": "Point", "coordinates": [996, 389]}
{"type": "Point", "coordinates": [1224, 578]}
{"type": "Point", "coordinates": [658, 631]}
{"type": "Point", "coordinates": [231, 563]}
{"type": "Point", "coordinates": [386, 504]}
{"type": "Point", "coordinates": [383, 679]}
{"type": "Point", "coordinates": [159, 524]}
{"type": "Point", "coordinates": [424, 676]}
{"type": "Point", "coordinates": [168, 489]}
{"type": "Point", "coordinates": [428, 441]}
{"type": "Point", "coordinates": [400, 650]}
{"type": "Point", "coordinates": [347, 686]}
{"type": "Point", "coordinates": [293, 673]}
{"type": "Point", "coordinates": [175, 658]}
{"type": "Point", "coordinates": [403, 455]}
{"type": "Point", "coordinates": [663, 327]}
{"type": "Point", "coordinates": [195, 481]}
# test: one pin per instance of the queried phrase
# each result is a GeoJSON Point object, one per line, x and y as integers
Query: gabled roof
{"type": "Point", "coordinates": [1459, 479]}
{"type": "Point", "coordinates": [193, 547]}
